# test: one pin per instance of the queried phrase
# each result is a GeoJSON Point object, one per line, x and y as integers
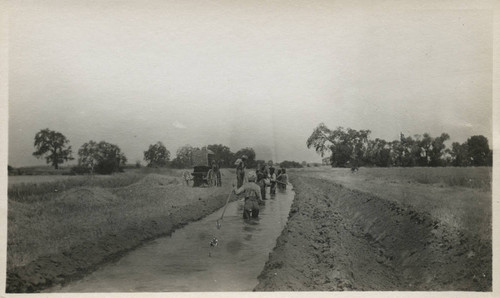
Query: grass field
{"type": "Point", "coordinates": [469, 177]}
{"type": "Point", "coordinates": [42, 222]}
{"type": "Point", "coordinates": [460, 197]}
{"type": "Point", "coordinates": [48, 215]}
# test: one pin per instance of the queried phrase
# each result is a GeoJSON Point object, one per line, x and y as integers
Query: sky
{"type": "Point", "coordinates": [243, 74]}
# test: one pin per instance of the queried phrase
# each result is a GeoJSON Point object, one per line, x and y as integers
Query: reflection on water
{"type": "Point", "coordinates": [185, 261]}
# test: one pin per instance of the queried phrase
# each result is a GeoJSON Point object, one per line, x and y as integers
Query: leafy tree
{"type": "Point", "coordinates": [378, 153]}
{"type": "Point", "coordinates": [459, 154]}
{"type": "Point", "coordinates": [479, 151]}
{"type": "Point", "coordinates": [54, 146]}
{"type": "Point", "coordinates": [88, 156]}
{"type": "Point", "coordinates": [157, 155]}
{"type": "Point", "coordinates": [222, 154]}
{"type": "Point", "coordinates": [347, 146]}
{"type": "Point", "coordinates": [406, 152]}
{"type": "Point", "coordinates": [102, 157]}
{"type": "Point", "coordinates": [438, 148]}
{"type": "Point", "coordinates": [184, 157]}
{"type": "Point", "coordinates": [250, 153]}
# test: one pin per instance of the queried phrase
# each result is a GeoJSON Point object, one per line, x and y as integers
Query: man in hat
{"type": "Point", "coordinates": [253, 196]}
{"type": "Point", "coordinates": [240, 170]}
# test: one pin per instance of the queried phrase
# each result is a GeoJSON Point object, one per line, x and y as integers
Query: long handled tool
{"type": "Point", "coordinates": [219, 221]}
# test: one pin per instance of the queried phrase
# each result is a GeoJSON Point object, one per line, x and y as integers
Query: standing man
{"type": "Point", "coordinates": [240, 170]}
{"type": "Point", "coordinates": [219, 175]}
{"type": "Point", "coordinates": [253, 196]}
{"type": "Point", "coordinates": [216, 174]}
{"type": "Point", "coordinates": [262, 180]}
{"type": "Point", "coordinates": [272, 178]}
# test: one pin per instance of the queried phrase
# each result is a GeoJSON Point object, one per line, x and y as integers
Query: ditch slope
{"type": "Point", "coordinates": [179, 205]}
{"type": "Point", "coordinates": [340, 239]}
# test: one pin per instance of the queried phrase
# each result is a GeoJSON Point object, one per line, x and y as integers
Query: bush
{"type": "Point", "coordinates": [79, 170]}
{"type": "Point", "coordinates": [107, 167]}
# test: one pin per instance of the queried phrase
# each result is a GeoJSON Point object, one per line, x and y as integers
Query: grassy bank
{"type": "Point", "coordinates": [340, 239]}
{"type": "Point", "coordinates": [69, 233]}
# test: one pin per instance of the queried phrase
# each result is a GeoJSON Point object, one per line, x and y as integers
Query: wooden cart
{"type": "Point", "coordinates": [202, 169]}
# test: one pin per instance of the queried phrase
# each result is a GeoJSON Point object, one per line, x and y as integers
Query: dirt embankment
{"type": "Point", "coordinates": [176, 206]}
{"type": "Point", "coordinates": [340, 239]}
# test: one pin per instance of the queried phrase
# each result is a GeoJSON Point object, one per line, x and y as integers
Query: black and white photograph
{"type": "Point", "coordinates": [248, 147]}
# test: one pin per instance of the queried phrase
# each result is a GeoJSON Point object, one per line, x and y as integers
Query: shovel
{"type": "Point", "coordinates": [219, 221]}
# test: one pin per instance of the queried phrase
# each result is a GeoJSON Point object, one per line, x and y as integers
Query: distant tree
{"type": "Point", "coordinates": [270, 162]}
{"type": "Point", "coordinates": [102, 157]}
{"type": "Point", "coordinates": [250, 153]}
{"type": "Point", "coordinates": [378, 153]}
{"type": "Point", "coordinates": [54, 146]}
{"type": "Point", "coordinates": [304, 163]}
{"type": "Point", "coordinates": [290, 164]}
{"type": "Point", "coordinates": [184, 157]}
{"type": "Point", "coordinates": [438, 148]}
{"type": "Point", "coordinates": [222, 154]}
{"type": "Point", "coordinates": [479, 151]}
{"type": "Point", "coordinates": [406, 152]}
{"type": "Point", "coordinates": [347, 146]}
{"type": "Point", "coordinates": [157, 155]}
{"type": "Point", "coordinates": [88, 156]}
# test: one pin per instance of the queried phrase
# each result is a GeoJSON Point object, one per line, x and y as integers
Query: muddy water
{"type": "Point", "coordinates": [185, 261]}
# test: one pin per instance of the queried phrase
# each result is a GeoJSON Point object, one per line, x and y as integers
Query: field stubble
{"type": "Point", "coordinates": [357, 232]}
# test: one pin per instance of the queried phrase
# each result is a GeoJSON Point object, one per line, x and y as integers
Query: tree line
{"type": "Point", "coordinates": [105, 158]}
{"type": "Point", "coordinates": [348, 147]}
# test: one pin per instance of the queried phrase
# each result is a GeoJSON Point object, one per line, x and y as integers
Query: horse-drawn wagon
{"type": "Point", "coordinates": [203, 175]}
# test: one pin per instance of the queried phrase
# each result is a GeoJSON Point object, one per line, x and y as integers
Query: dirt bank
{"type": "Point", "coordinates": [341, 239]}
{"type": "Point", "coordinates": [127, 217]}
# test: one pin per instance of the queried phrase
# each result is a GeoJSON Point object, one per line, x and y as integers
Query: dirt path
{"type": "Point", "coordinates": [340, 239]}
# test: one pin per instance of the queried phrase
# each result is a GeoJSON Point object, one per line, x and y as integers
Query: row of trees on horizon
{"type": "Point", "coordinates": [346, 147]}
{"type": "Point", "coordinates": [105, 158]}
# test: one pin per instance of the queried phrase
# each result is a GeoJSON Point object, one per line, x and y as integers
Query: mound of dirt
{"type": "Point", "coordinates": [160, 180]}
{"type": "Point", "coordinates": [340, 239]}
{"type": "Point", "coordinates": [81, 196]}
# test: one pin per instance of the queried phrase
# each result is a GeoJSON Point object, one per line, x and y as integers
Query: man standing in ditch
{"type": "Point", "coordinates": [253, 196]}
{"type": "Point", "coordinates": [240, 170]}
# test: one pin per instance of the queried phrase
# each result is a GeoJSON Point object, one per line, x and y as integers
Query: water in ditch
{"type": "Point", "coordinates": [185, 261]}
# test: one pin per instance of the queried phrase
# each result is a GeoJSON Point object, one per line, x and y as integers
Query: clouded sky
{"type": "Point", "coordinates": [245, 73]}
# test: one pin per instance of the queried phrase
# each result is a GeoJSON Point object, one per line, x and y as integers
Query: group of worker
{"type": "Point", "coordinates": [254, 184]}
